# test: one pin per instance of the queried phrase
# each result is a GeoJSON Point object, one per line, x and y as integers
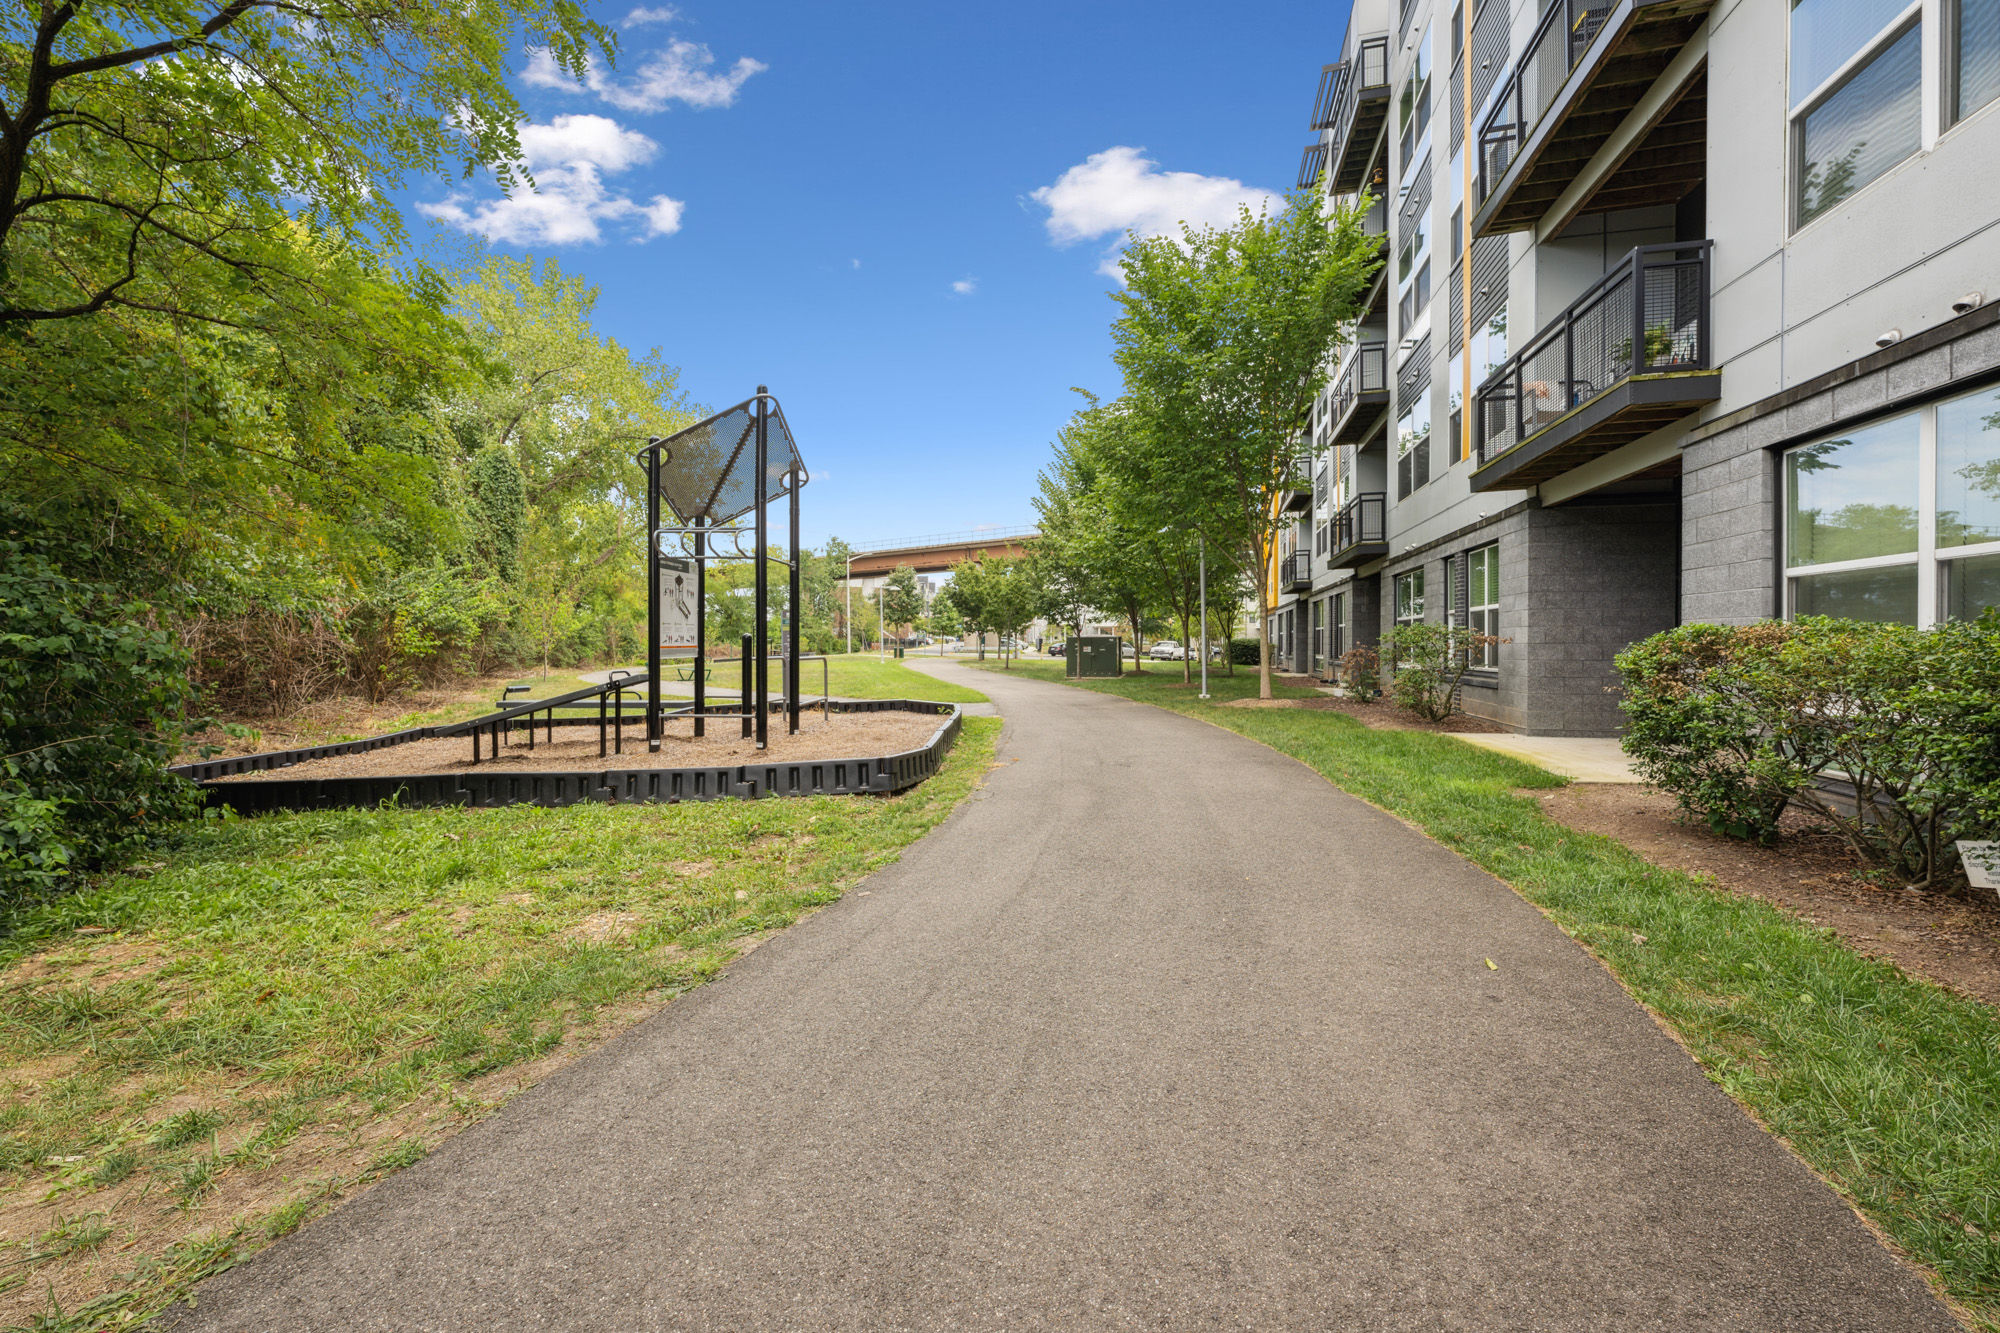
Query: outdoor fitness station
{"type": "Point", "coordinates": [709, 491]}
{"type": "Point", "coordinates": [711, 476]}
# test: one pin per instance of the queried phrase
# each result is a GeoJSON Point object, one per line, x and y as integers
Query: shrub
{"type": "Point", "coordinates": [1428, 664]}
{"type": "Point", "coordinates": [91, 706]}
{"type": "Point", "coordinates": [1361, 673]}
{"type": "Point", "coordinates": [1243, 652]}
{"type": "Point", "coordinates": [1888, 734]}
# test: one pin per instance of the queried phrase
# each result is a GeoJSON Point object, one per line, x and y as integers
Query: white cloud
{"type": "Point", "coordinates": [855, 262]}
{"type": "Point", "coordinates": [681, 73]}
{"type": "Point", "coordinates": [966, 286]}
{"type": "Point", "coordinates": [645, 14]}
{"type": "Point", "coordinates": [1121, 190]}
{"type": "Point", "coordinates": [569, 158]}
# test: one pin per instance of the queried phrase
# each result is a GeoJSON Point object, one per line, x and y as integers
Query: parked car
{"type": "Point", "coordinates": [1167, 651]}
{"type": "Point", "coordinates": [1059, 648]}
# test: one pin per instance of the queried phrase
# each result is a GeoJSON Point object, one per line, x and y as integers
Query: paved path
{"type": "Point", "coordinates": [1158, 1031]}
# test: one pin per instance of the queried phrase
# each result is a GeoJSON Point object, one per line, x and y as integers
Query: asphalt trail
{"type": "Point", "coordinates": [1160, 1031]}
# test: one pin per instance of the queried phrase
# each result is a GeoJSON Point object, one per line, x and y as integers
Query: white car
{"type": "Point", "coordinates": [1167, 651]}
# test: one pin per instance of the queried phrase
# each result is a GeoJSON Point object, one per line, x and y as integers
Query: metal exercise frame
{"type": "Point", "coordinates": [698, 531]}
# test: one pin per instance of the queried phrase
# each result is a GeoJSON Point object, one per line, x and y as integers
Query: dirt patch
{"type": "Point", "coordinates": [1946, 940]}
{"type": "Point", "coordinates": [838, 736]}
{"type": "Point", "coordinates": [1377, 716]}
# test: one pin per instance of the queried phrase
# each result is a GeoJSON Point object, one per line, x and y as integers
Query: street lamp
{"type": "Point", "coordinates": [847, 592]}
{"type": "Point", "coordinates": [1201, 546]}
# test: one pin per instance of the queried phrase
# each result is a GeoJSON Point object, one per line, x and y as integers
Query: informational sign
{"type": "Point", "coordinates": [679, 607]}
{"type": "Point", "coordinates": [1982, 863]}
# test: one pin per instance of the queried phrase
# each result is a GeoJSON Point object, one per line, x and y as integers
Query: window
{"type": "Point", "coordinates": [1856, 95]}
{"type": "Point", "coordinates": [1319, 638]}
{"type": "Point", "coordinates": [1864, 540]}
{"type": "Point", "coordinates": [1976, 55]}
{"type": "Point", "coordinates": [1413, 445]}
{"type": "Point", "coordinates": [1410, 597]}
{"type": "Point", "coordinates": [1482, 601]}
{"type": "Point", "coordinates": [1414, 106]}
{"type": "Point", "coordinates": [1338, 617]}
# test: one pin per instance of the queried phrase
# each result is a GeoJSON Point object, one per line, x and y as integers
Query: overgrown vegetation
{"type": "Point", "coordinates": [1888, 734]}
{"type": "Point", "coordinates": [1888, 1086]}
{"type": "Point", "coordinates": [285, 1006]}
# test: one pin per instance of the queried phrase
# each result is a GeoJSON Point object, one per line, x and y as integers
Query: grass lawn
{"type": "Point", "coordinates": [196, 1058]}
{"type": "Point", "coordinates": [859, 676]}
{"type": "Point", "coordinates": [1888, 1086]}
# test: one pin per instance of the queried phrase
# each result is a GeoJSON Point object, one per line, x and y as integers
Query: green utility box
{"type": "Point", "coordinates": [1095, 655]}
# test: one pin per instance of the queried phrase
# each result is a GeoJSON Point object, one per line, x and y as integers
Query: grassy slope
{"type": "Point", "coordinates": [1889, 1086]}
{"type": "Point", "coordinates": [293, 1004]}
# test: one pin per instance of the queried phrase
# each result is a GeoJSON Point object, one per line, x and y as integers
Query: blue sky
{"type": "Point", "coordinates": [898, 215]}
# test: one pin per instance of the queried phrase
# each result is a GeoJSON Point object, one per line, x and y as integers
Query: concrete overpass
{"type": "Point", "coordinates": [940, 551]}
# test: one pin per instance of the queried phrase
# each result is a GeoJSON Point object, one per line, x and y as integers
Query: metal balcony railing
{"type": "Point", "coordinates": [1647, 316]}
{"type": "Point", "coordinates": [1561, 38]}
{"type": "Point", "coordinates": [1365, 371]}
{"type": "Point", "coordinates": [1366, 72]}
{"type": "Point", "coordinates": [1295, 572]}
{"type": "Point", "coordinates": [1362, 521]}
{"type": "Point", "coordinates": [1311, 164]}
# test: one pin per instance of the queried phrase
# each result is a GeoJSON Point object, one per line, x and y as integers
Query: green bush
{"type": "Point", "coordinates": [1243, 652]}
{"type": "Point", "coordinates": [1428, 664]}
{"type": "Point", "coordinates": [1361, 673]}
{"type": "Point", "coordinates": [1888, 734]}
{"type": "Point", "coordinates": [92, 699]}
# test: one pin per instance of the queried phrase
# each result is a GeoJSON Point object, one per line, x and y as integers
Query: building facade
{"type": "Point", "coordinates": [1725, 345]}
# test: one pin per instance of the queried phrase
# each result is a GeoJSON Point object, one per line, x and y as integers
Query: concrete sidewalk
{"type": "Point", "coordinates": [1582, 758]}
{"type": "Point", "coordinates": [1159, 1030]}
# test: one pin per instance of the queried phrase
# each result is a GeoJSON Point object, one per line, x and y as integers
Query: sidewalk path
{"type": "Point", "coordinates": [1158, 1031]}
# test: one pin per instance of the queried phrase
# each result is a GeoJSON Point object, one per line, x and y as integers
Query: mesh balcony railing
{"type": "Point", "coordinates": [1295, 572]}
{"type": "Point", "coordinates": [1647, 316]}
{"type": "Point", "coordinates": [1561, 38]}
{"type": "Point", "coordinates": [1362, 521]}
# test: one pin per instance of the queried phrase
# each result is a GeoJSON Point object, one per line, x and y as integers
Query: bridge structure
{"type": "Point", "coordinates": [939, 551]}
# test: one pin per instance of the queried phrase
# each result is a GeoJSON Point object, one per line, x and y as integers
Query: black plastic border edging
{"type": "Point", "coordinates": [795, 777]}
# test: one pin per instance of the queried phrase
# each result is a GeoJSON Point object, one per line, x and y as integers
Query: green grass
{"type": "Point", "coordinates": [1889, 1086]}
{"type": "Point", "coordinates": [292, 1004]}
{"type": "Point", "coordinates": [859, 676]}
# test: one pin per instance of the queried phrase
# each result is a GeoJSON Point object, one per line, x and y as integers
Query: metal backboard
{"type": "Point", "coordinates": [705, 470]}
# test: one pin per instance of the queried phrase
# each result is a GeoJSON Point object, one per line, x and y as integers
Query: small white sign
{"type": "Point", "coordinates": [1982, 863]}
{"type": "Point", "coordinates": [679, 607]}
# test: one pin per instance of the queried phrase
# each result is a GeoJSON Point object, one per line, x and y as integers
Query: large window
{"type": "Point", "coordinates": [1900, 520]}
{"type": "Point", "coordinates": [1413, 444]}
{"type": "Point", "coordinates": [1413, 107]}
{"type": "Point", "coordinates": [1856, 96]}
{"type": "Point", "coordinates": [1319, 638]}
{"type": "Point", "coordinates": [1482, 601]}
{"type": "Point", "coordinates": [1976, 56]}
{"type": "Point", "coordinates": [1410, 597]}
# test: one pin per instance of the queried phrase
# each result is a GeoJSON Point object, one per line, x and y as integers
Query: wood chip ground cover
{"type": "Point", "coordinates": [197, 1059]}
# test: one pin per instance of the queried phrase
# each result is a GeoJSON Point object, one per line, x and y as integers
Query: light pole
{"type": "Point", "coordinates": [1201, 547]}
{"type": "Point", "coordinates": [847, 591]}
{"type": "Point", "coordinates": [881, 628]}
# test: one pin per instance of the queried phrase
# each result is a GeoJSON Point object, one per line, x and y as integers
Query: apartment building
{"type": "Point", "coordinates": [1726, 330]}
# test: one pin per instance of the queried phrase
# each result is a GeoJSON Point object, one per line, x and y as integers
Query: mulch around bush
{"type": "Point", "coordinates": [1951, 941]}
{"type": "Point", "coordinates": [1377, 715]}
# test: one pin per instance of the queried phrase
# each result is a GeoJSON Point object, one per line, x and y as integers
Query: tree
{"type": "Point", "coordinates": [157, 157]}
{"type": "Point", "coordinates": [902, 600]}
{"type": "Point", "coordinates": [1223, 341]}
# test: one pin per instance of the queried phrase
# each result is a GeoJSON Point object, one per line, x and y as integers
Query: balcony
{"type": "Point", "coordinates": [1295, 489]}
{"type": "Point", "coordinates": [1360, 531]}
{"type": "Point", "coordinates": [1353, 102]}
{"type": "Point", "coordinates": [1311, 164]}
{"type": "Point", "coordinates": [1582, 73]}
{"type": "Point", "coordinates": [1295, 573]}
{"type": "Point", "coordinates": [1577, 390]}
{"type": "Point", "coordinates": [1360, 392]}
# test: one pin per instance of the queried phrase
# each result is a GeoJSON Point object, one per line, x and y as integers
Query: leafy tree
{"type": "Point", "coordinates": [1223, 340]}
{"type": "Point", "coordinates": [161, 157]}
{"type": "Point", "coordinates": [499, 507]}
{"type": "Point", "coordinates": [902, 600]}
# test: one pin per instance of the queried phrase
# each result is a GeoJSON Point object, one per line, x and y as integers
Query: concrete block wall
{"type": "Point", "coordinates": [1732, 493]}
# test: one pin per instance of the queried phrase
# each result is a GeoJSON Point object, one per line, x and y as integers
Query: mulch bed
{"type": "Point", "coordinates": [1376, 715]}
{"type": "Point", "coordinates": [1952, 941]}
{"type": "Point", "coordinates": [839, 736]}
